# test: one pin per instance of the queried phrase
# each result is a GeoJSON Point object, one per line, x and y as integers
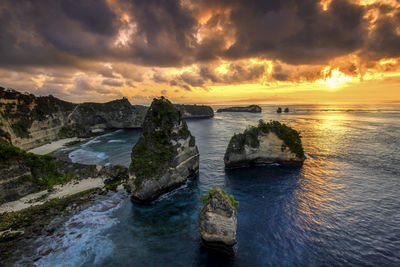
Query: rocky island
{"type": "Point", "coordinates": [267, 143]}
{"type": "Point", "coordinates": [165, 154]}
{"type": "Point", "coordinates": [251, 109]}
{"type": "Point", "coordinates": [217, 220]}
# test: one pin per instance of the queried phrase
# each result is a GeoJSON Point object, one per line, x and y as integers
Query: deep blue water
{"type": "Point", "coordinates": [342, 207]}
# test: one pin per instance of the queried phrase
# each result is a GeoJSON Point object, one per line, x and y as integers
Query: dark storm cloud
{"type": "Point", "coordinates": [384, 40]}
{"type": "Point", "coordinates": [67, 32]}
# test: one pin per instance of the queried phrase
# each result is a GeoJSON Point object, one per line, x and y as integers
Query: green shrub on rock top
{"type": "Point", "coordinates": [231, 200]}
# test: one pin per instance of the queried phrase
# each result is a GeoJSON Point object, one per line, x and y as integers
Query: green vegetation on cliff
{"type": "Point", "coordinates": [154, 149]}
{"type": "Point", "coordinates": [249, 137]}
{"type": "Point", "coordinates": [231, 200]}
{"type": "Point", "coordinates": [45, 170]}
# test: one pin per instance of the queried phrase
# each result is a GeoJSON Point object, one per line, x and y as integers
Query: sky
{"type": "Point", "coordinates": [206, 52]}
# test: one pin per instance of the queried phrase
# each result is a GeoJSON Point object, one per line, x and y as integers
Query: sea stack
{"type": "Point", "coordinates": [286, 110]}
{"type": "Point", "coordinates": [217, 221]}
{"type": "Point", "coordinates": [279, 110]}
{"type": "Point", "coordinates": [267, 143]}
{"type": "Point", "coordinates": [165, 154]}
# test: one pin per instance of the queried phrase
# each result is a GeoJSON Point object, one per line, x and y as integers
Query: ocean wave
{"type": "Point", "coordinates": [116, 141]}
{"type": "Point", "coordinates": [87, 156]}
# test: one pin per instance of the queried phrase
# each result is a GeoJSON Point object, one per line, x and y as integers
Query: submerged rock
{"type": "Point", "coordinates": [251, 109]}
{"type": "Point", "coordinates": [267, 143]}
{"type": "Point", "coordinates": [165, 154]}
{"type": "Point", "coordinates": [217, 221]}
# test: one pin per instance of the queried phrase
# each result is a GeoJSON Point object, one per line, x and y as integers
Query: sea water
{"type": "Point", "coordinates": [342, 207]}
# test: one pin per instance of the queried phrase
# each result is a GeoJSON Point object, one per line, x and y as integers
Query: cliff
{"type": "Point", "coordinates": [32, 121]}
{"type": "Point", "coordinates": [267, 143]}
{"type": "Point", "coordinates": [165, 154]}
{"type": "Point", "coordinates": [195, 111]}
{"type": "Point", "coordinates": [217, 220]}
{"type": "Point", "coordinates": [251, 109]}
{"type": "Point", "coordinates": [114, 114]}
{"type": "Point", "coordinates": [23, 173]}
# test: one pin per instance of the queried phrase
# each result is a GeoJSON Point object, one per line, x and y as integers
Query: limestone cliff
{"type": "Point", "coordinates": [268, 143]}
{"type": "Point", "coordinates": [114, 114]}
{"type": "Point", "coordinates": [251, 109]}
{"type": "Point", "coordinates": [32, 121]}
{"type": "Point", "coordinates": [195, 111]}
{"type": "Point", "coordinates": [165, 154]}
{"type": "Point", "coordinates": [217, 220]}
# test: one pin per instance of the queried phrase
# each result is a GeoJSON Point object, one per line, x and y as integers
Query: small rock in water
{"type": "Point", "coordinates": [217, 221]}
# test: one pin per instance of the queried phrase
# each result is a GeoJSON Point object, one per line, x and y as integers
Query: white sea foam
{"type": "Point", "coordinates": [87, 156]}
{"type": "Point", "coordinates": [116, 141]}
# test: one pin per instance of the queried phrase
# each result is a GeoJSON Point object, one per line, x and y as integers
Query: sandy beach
{"type": "Point", "coordinates": [70, 188]}
{"type": "Point", "coordinates": [53, 146]}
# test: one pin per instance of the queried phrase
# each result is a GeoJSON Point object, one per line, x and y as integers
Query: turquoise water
{"type": "Point", "coordinates": [341, 208]}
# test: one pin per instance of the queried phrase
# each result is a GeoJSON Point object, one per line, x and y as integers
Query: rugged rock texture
{"type": "Point", "coordinates": [252, 109]}
{"type": "Point", "coordinates": [195, 111]}
{"type": "Point", "coordinates": [32, 121]}
{"type": "Point", "coordinates": [165, 154]}
{"type": "Point", "coordinates": [114, 114]}
{"type": "Point", "coordinates": [217, 221]}
{"type": "Point", "coordinates": [23, 173]}
{"type": "Point", "coordinates": [268, 143]}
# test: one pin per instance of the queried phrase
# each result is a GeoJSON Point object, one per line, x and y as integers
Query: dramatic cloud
{"type": "Point", "coordinates": [122, 45]}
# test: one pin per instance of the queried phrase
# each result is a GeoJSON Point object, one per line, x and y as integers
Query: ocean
{"type": "Point", "coordinates": [341, 208]}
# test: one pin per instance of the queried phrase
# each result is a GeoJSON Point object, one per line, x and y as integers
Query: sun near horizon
{"type": "Point", "coordinates": [206, 52]}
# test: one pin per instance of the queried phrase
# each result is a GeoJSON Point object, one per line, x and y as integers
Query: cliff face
{"type": "Point", "coordinates": [217, 220]}
{"type": "Point", "coordinates": [268, 143]}
{"type": "Point", "coordinates": [251, 109]}
{"type": "Point", "coordinates": [32, 121]}
{"type": "Point", "coordinates": [114, 114]}
{"type": "Point", "coordinates": [165, 154]}
{"type": "Point", "coordinates": [195, 111]}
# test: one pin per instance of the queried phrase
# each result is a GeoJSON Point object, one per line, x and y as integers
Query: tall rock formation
{"type": "Point", "coordinates": [267, 143]}
{"type": "Point", "coordinates": [217, 220]}
{"type": "Point", "coordinates": [165, 154]}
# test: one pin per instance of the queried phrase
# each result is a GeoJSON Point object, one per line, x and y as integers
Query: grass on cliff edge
{"type": "Point", "coordinates": [206, 198]}
{"type": "Point", "coordinates": [290, 137]}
